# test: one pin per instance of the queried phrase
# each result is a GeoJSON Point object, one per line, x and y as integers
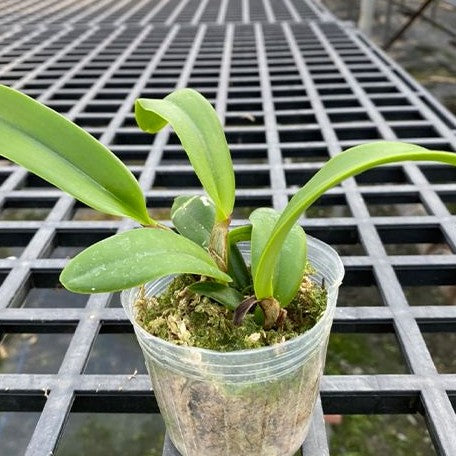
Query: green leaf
{"type": "Point", "coordinates": [223, 294]}
{"type": "Point", "coordinates": [194, 218]}
{"type": "Point", "coordinates": [196, 124]}
{"type": "Point", "coordinates": [259, 316]}
{"type": "Point", "coordinates": [349, 163]}
{"type": "Point", "coordinates": [135, 257]}
{"type": "Point", "coordinates": [291, 264]}
{"type": "Point", "coordinates": [239, 234]}
{"type": "Point", "coordinates": [60, 152]}
{"type": "Point", "coordinates": [237, 269]}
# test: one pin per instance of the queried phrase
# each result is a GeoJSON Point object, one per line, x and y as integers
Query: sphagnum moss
{"type": "Point", "coordinates": [186, 318]}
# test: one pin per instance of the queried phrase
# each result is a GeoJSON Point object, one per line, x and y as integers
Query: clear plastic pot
{"type": "Point", "coordinates": [249, 402]}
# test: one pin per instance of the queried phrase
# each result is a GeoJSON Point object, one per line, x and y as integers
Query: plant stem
{"type": "Point", "coordinates": [218, 244]}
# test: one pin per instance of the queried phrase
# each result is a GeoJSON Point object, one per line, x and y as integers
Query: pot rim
{"type": "Point", "coordinates": [315, 243]}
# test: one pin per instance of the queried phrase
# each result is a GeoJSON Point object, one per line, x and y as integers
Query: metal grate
{"type": "Point", "coordinates": [143, 12]}
{"type": "Point", "coordinates": [291, 96]}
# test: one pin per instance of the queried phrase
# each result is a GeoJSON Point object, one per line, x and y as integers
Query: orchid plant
{"type": "Point", "coordinates": [57, 150]}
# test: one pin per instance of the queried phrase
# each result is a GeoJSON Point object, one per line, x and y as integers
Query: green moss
{"type": "Point", "coordinates": [185, 318]}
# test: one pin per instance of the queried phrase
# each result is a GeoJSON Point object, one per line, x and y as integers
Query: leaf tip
{"type": "Point", "coordinates": [66, 280]}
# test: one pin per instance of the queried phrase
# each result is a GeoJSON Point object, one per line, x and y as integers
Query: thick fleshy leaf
{"type": "Point", "coordinates": [349, 163]}
{"type": "Point", "coordinates": [223, 294]}
{"type": "Point", "coordinates": [194, 217]}
{"type": "Point", "coordinates": [135, 257]}
{"type": "Point", "coordinates": [60, 152]}
{"type": "Point", "coordinates": [289, 271]}
{"type": "Point", "coordinates": [196, 124]}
